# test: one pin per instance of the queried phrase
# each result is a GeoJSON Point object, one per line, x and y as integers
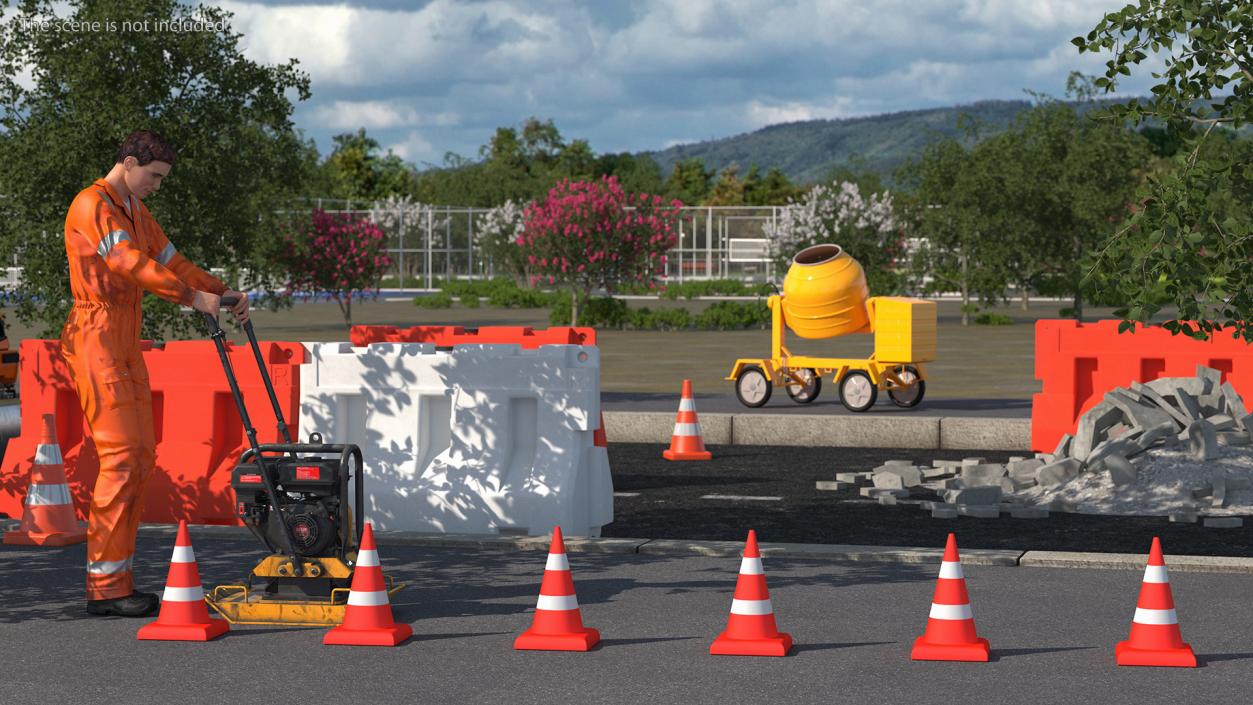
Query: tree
{"type": "Point", "coordinates": [593, 234]}
{"type": "Point", "coordinates": [728, 190]}
{"type": "Point", "coordinates": [1185, 245]}
{"type": "Point", "coordinates": [357, 171]}
{"type": "Point", "coordinates": [775, 189]}
{"type": "Point", "coordinates": [239, 156]}
{"type": "Point", "coordinates": [689, 181]}
{"type": "Point", "coordinates": [337, 254]}
{"type": "Point", "coordinates": [864, 227]}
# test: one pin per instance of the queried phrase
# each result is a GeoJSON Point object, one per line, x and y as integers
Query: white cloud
{"type": "Point", "coordinates": [413, 148]}
{"type": "Point", "coordinates": [375, 115]}
{"type": "Point", "coordinates": [761, 114]}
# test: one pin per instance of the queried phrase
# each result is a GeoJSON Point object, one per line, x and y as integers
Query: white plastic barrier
{"type": "Point", "coordinates": [474, 439]}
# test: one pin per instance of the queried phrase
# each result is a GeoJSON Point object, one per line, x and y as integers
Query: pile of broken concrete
{"type": "Point", "coordinates": [1177, 447]}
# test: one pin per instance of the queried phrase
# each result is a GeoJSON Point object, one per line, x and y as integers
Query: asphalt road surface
{"type": "Point", "coordinates": [1052, 633]}
{"type": "Point", "coordinates": [827, 403]}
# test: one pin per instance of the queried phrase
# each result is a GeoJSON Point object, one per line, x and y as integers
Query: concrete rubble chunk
{"type": "Point", "coordinates": [1204, 440]}
{"type": "Point", "coordinates": [983, 474]}
{"type": "Point", "coordinates": [1189, 404]}
{"type": "Point", "coordinates": [1167, 386]}
{"type": "Point", "coordinates": [1029, 513]}
{"type": "Point", "coordinates": [1235, 405]}
{"type": "Point", "coordinates": [1160, 402]}
{"type": "Point", "coordinates": [953, 483]}
{"type": "Point", "coordinates": [1186, 516]}
{"type": "Point", "coordinates": [939, 512]}
{"type": "Point", "coordinates": [1246, 422]}
{"type": "Point", "coordinates": [1233, 438]}
{"type": "Point", "coordinates": [936, 486]}
{"type": "Point", "coordinates": [1219, 496]}
{"type": "Point", "coordinates": [1211, 404]}
{"type": "Point", "coordinates": [1024, 470]}
{"type": "Point", "coordinates": [1212, 378]}
{"type": "Point", "coordinates": [887, 500]}
{"type": "Point", "coordinates": [974, 495]}
{"type": "Point", "coordinates": [946, 463]}
{"type": "Point", "coordinates": [1222, 422]}
{"type": "Point", "coordinates": [900, 463]}
{"type": "Point", "coordinates": [1009, 485]}
{"type": "Point", "coordinates": [1155, 435]}
{"type": "Point", "coordinates": [1121, 471]}
{"type": "Point", "coordinates": [1202, 491]}
{"type": "Point", "coordinates": [1093, 427]}
{"type": "Point", "coordinates": [847, 476]}
{"type": "Point", "coordinates": [1239, 483]}
{"type": "Point", "coordinates": [979, 511]}
{"type": "Point", "coordinates": [967, 462]}
{"type": "Point", "coordinates": [1137, 414]}
{"type": "Point", "coordinates": [831, 485]}
{"type": "Point", "coordinates": [1058, 472]}
{"type": "Point", "coordinates": [1047, 458]}
{"type": "Point", "coordinates": [1063, 505]}
{"type": "Point", "coordinates": [936, 473]}
{"type": "Point", "coordinates": [909, 476]}
{"type": "Point", "coordinates": [1222, 522]}
{"type": "Point", "coordinates": [888, 481]}
{"type": "Point", "coordinates": [1015, 459]}
{"type": "Point", "coordinates": [1123, 446]}
{"type": "Point", "coordinates": [1063, 446]}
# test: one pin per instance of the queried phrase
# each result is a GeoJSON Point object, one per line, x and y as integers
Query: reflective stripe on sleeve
{"type": "Point", "coordinates": [109, 567]}
{"type": "Point", "coordinates": [108, 241]}
{"type": "Point", "coordinates": [167, 253]}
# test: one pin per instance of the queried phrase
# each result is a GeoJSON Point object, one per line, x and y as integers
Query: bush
{"type": "Point", "coordinates": [715, 287]}
{"type": "Point", "coordinates": [664, 319]}
{"type": "Point", "coordinates": [993, 319]}
{"type": "Point", "coordinates": [469, 300]}
{"type": "Point", "coordinates": [440, 299]}
{"type": "Point", "coordinates": [733, 315]}
{"type": "Point", "coordinates": [599, 312]}
{"type": "Point", "coordinates": [501, 292]}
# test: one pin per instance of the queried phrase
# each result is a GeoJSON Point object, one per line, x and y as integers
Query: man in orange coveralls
{"type": "Point", "coordinates": [116, 250]}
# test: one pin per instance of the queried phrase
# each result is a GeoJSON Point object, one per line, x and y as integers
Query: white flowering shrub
{"type": "Point", "coordinates": [496, 238]}
{"type": "Point", "coordinates": [865, 227]}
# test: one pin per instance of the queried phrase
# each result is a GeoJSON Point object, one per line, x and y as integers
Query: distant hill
{"type": "Point", "coordinates": [808, 151]}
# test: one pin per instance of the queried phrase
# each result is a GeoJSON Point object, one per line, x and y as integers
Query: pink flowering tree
{"type": "Point", "coordinates": [587, 235]}
{"type": "Point", "coordinates": [339, 255]}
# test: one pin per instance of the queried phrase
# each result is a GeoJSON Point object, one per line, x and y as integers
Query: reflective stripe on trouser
{"type": "Point", "coordinates": [100, 345]}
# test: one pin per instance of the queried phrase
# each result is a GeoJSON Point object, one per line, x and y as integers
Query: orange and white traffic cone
{"type": "Point", "coordinates": [557, 625]}
{"type": "Point", "coordinates": [368, 617]}
{"type": "Point", "coordinates": [751, 630]}
{"type": "Point", "coordinates": [686, 443]}
{"type": "Point", "coordinates": [184, 616]}
{"type": "Point", "coordinates": [950, 634]}
{"type": "Point", "coordinates": [1155, 638]}
{"type": "Point", "coordinates": [48, 517]}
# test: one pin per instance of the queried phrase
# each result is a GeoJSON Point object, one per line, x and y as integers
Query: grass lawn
{"type": "Point", "coordinates": [973, 361]}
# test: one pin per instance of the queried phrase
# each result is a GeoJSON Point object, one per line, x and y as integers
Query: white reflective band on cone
{"type": "Point", "coordinates": [687, 429]}
{"type": "Point", "coordinates": [951, 570]}
{"type": "Point", "coordinates": [48, 454]}
{"type": "Point", "coordinates": [557, 603]}
{"type": "Point", "coordinates": [183, 594]}
{"type": "Point", "coordinates": [1144, 616]}
{"type": "Point", "coordinates": [687, 405]}
{"type": "Point", "coordinates": [1155, 574]}
{"type": "Point", "coordinates": [183, 554]}
{"type": "Point", "coordinates": [951, 612]}
{"type": "Point", "coordinates": [367, 599]}
{"type": "Point", "coordinates": [557, 561]}
{"type": "Point", "coordinates": [751, 566]}
{"type": "Point", "coordinates": [752, 608]}
{"type": "Point", "coordinates": [47, 495]}
{"type": "Point", "coordinates": [109, 567]}
{"type": "Point", "coordinates": [368, 558]}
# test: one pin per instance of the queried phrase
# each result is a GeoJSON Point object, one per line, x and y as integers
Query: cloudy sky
{"type": "Point", "coordinates": [427, 78]}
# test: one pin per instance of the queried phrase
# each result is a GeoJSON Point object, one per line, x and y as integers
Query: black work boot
{"type": "Point", "coordinates": [136, 604]}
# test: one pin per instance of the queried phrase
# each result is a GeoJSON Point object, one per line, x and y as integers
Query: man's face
{"type": "Point", "coordinates": [144, 179]}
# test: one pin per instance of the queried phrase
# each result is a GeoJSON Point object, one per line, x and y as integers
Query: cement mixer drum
{"type": "Point", "coordinates": [824, 294]}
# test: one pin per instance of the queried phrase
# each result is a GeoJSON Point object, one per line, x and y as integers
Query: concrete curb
{"type": "Point", "coordinates": [730, 549]}
{"type": "Point", "coordinates": [829, 430]}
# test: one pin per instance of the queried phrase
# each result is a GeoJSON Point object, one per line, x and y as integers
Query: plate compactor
{"type": "Point", "coordinates": [294, 498]}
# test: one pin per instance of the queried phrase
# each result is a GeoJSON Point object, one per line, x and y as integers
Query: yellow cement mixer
{"type": "Point", "coordinates": [825, 296]}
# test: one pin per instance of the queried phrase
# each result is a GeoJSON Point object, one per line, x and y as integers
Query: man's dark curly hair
{"type": "Point", "coordinates": [147, 146]}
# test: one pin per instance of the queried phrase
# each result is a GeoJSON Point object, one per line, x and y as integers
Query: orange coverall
{"type": "Point", "coordinates": [116, 250]}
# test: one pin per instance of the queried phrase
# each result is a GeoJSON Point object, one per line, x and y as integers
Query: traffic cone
{"type": "Point", "coordinates": [686, 443]}
{"type": "Point", "coordinates": [48, 517]}
{"type": "Point", "coordinates": [557, 625]}
{"type": "Point", "coordinates": [368, 617]}
{"type": "Point", "coordinates": [1155, 639]}
{"type": "Point", "coordinates": [950, 634]}
{"type": "Point", "coordinates": [184, 616]}
{"type": "Point", "coordinates": [751, 630]}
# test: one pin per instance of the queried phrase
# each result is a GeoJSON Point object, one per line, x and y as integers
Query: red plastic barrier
{"type": "Point", "coordinates": [199, 433]}
{"type": "Point", "coordinates": [1078, 363]}
{"type": "Point", "coordinates": [448, 336]}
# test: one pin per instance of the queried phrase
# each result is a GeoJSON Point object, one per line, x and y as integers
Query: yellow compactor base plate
{"type": "Point", "coordinates": [240, 605]}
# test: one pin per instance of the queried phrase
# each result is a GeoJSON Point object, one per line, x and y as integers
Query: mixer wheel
{"type": "Point", "coordinates": [908, 396]}
{"type": "Point", "coordinates": [857, 391]}
{"type": "Point", "coordinates": [753, 387]}
{"type": "Point", "coordinates": [804, 385]}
